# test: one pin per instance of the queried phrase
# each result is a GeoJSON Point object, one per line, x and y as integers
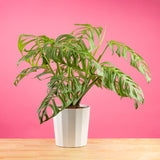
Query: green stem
{"type": "Point", "coordinates": [100, 43]}
{"type": "Point", "coordinates": [86, 73]}
{"type": "Point", "coordinates": [58, 68]}
{"type": "Point", "coordinates": [86, 90]}
{"type": "Point", "coordinates": [69, 71]}
{"type": "Point", "coordinates": [99, 58]}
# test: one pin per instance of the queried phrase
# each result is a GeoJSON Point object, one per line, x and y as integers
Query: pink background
{"type": "Point", "coordinates": [135, 22]}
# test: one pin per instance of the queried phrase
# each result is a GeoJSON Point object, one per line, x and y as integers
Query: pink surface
{"type": "Point", "coordinates": [135, 22]}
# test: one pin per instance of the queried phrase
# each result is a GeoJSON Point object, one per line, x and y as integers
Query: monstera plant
{"type": "Point", "coordinates": [72, 64]}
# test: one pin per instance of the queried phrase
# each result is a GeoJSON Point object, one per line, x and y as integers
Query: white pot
{"type": "Point", "coordinates": [71, 127]}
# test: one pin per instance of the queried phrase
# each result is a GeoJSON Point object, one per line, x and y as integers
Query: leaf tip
{"type": "Point", "coordinates": [149, 79]}
{"type": "Point", "coordinates": [15, 84]}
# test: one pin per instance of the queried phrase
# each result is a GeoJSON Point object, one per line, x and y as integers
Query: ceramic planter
{"type": "Point", "coordinates": [71, 127]}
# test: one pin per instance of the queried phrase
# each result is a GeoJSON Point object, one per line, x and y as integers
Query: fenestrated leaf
{"type": "Point", "coordinates": [23, 42]}
{"type": "Point", "coordinates": [122, 84]}
{"type": "Point", "coordinates": [87, 32]}
{"type": "Point", "coordinates": [64, 91]}
{"type": "Point", "coordinates": [25, 72]}
{"type": "Point", "coordinates": [136, 60]}
{"type": "Point", "coordinates": [27, 57]}
{"type": "Point", "coordinates": [46, 103]}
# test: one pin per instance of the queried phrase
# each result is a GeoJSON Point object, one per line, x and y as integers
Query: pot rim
{"type": "Point", "coordinates": [82, 106]}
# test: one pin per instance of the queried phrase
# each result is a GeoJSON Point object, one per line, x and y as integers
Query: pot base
{"type": "Point", "coordinates": [71, 146]}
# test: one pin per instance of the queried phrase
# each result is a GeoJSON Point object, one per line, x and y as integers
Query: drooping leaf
{"type": "Point", "coordinates": [64, 38]}
{"type": "Point", "coordinates": [136, 60]}
{"type": "Point", "coordinates": [46, 103]}
{"type": "Point", "coordinates": [122, 84]}
{"type": "Point", "coordinates": [27, 57]}
{"type": "Point", "coordinates": [24, 40]}
{"type": "Point", "coordinates": [25, 72]}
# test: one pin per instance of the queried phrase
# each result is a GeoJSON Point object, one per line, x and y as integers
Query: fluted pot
{"type": "Point", "coordinates": [71, 127]}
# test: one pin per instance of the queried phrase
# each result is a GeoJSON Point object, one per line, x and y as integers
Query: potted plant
{"type": "Point", "coordinates": [72, 66]}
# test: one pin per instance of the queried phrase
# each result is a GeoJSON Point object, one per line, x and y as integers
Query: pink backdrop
{"type": "Point", "coordinates": [135, 22]}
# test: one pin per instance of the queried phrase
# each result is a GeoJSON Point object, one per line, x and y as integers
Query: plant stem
{"type": "Point", "coordinates": [58, 68]}
{"type": "Point", "coordinates": [86, 74]}
{"type": "Point", "coordinates": [86, 90]}
{"type": "Point", "coordinates": [69, 71]}
{"type": "Point", "coordinates": [100, 43]}
{"type": "Point", "coordinates": [99, 58]}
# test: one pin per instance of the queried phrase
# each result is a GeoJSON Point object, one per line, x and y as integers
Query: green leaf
{"type": "Point", "coordinates": [42, 74]}
{"type": "Point", "coordinates": [25, 72]}
{"type": "Point", "coordinates": [88, 32]}
{"type": "Point", "coordinates": [42, 110]}
{"type": "Point", "coordinates": [136, 60]}
{"type": "Point", "coordinates": [26, 57]}
{"type": "Point", "coordinates": [117, 81]}
{"type": "Point", "coordinates": [59, 88]}
{"type": "Point", "coordinates": [92, 45]}
{"type": "Point", "coordinates": [63, 37]}
{"type": "Point", "coordinates": [21, 41]}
